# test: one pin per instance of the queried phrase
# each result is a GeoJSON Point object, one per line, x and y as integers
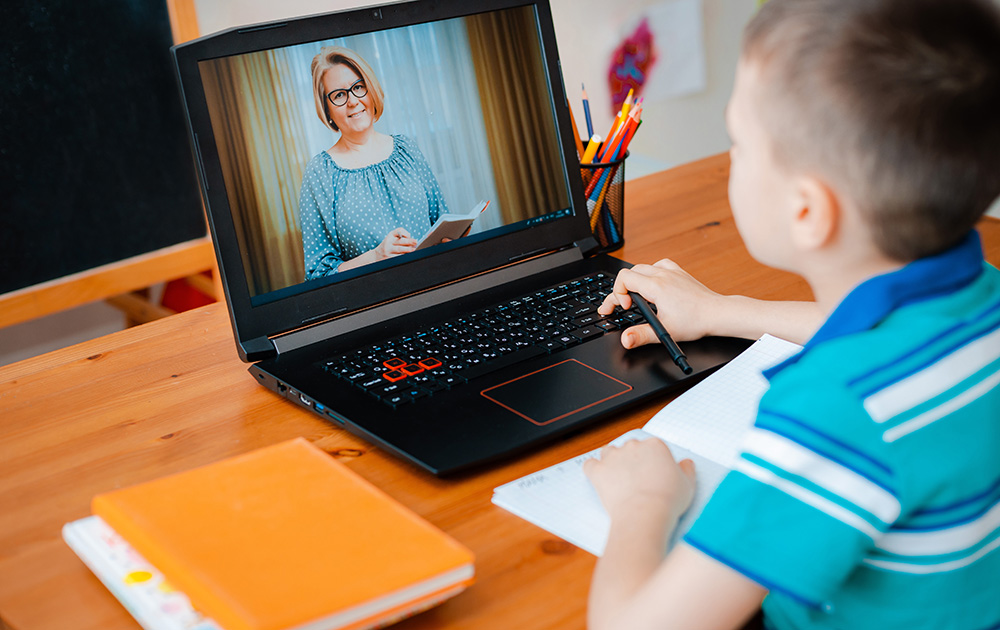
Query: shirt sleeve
{"type": "Point", "coordinates": [808, 497]}
{"type": "Point", "coordinates": [436, 205]}
{"type": "Point", "coordinates": [320, 245]}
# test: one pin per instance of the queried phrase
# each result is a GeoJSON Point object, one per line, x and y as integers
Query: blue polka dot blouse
{"type": "Point", "coordinates": [347, 211]}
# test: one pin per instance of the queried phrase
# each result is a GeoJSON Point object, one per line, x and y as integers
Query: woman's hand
{"type": "Point", "coordinates": [684, 305]}
{"type": "Point", "coordinates": [641, 477]}
{"type": "Point", "coordinates": [395, 243]}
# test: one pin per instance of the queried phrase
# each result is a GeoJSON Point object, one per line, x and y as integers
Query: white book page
{"type": "Point", "coordinates": [450, 226]}
{"type": "Point", "coordinates": [561, 500]}
{"type": "Point", "coordinates": [712, 417]}
{"type": "Point", "coordinates": [137, 584]}
{"type": "Point", "coordinates": [705, 424]}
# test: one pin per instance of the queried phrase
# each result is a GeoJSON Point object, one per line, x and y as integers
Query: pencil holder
{"type": "Point", "coordinates": [604, 188]}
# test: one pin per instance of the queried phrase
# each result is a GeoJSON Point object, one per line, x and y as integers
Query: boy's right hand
{"type": "Point", "coordinates": [684, 305]}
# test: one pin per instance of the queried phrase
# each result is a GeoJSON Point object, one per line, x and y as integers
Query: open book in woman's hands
{"type": "Point", "coordinates": [451, 226]}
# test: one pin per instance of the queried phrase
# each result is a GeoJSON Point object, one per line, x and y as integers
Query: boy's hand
{"type": "Point", "coordinates": [642, 476]}
{"type": "Point", "coordinates": [684, 305]}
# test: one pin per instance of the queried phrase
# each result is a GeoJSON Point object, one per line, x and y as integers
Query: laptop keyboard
{"type": "Point", "coordinates": [413, 366]}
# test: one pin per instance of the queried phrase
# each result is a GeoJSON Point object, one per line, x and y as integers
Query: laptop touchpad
{"type": "Point", "coordinates": [556, 392]}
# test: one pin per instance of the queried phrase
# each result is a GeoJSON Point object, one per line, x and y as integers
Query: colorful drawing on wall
{"type": "Point", "coordinates": [630, 65]}
{"type": "Point", "coordinates": [662, 55]}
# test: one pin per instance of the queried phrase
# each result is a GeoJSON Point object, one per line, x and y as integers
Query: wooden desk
{"type": "Point", "coordinates": [171, 395]}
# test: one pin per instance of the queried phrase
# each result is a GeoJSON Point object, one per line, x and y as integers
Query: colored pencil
{"type": "Point", "coordinates": [576, 133]}
{"type": "Point", "coordinates": [586, 112]}
{"type": "Point", "coordinates": [591, 150]}
{"type": "Point", "coordinates": [627, 104]}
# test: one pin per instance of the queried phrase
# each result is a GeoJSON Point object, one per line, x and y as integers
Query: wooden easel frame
{"type": "Point", "coordinates": [116, 282]}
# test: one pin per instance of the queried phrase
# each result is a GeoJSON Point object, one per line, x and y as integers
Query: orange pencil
{"type": "Point", "coordinates": [610, 137]}
{"type": "Point", "coordinates": [576, 134]}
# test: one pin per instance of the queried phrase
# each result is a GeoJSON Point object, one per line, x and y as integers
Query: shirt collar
{"type": "Point", "coordinates": [874, 299]}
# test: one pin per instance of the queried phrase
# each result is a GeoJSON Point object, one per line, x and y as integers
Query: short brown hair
{"type": "Point", "coordinates": [896, 102]}
{"type": "Point", "coordinates": [331, 56]}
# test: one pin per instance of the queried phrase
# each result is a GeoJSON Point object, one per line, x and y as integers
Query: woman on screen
{"type": "Point", "coordinates": [370, 195]}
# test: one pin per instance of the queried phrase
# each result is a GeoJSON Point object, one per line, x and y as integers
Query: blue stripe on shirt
{"type": "Point", "coordinates": [847, 447]}
{"type": "Point", "coordinates": [836, 460]}
{"type": "Point", "coordinates": [961, 503]}
{"type": "Point", "coordinates": [953, 347]}
{"type": "Point", "coordinates": [768, 584]}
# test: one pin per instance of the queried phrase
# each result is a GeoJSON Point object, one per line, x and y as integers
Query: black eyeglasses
{"type": "Point", "coordinates": [339, 97]}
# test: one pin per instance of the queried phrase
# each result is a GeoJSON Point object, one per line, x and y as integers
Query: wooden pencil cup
{"type": "Point", "coordinates": [604, 188]}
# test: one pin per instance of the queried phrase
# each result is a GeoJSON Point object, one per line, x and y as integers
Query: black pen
{"type": "Point", "coordinates": [661, 332]}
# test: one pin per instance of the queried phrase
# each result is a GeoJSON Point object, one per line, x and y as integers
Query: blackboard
{"type": "Point", "coordinates": [95, 164]}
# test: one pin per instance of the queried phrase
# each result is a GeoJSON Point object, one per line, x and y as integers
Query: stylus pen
{"type": "Point", "coordinates": [661, 332]}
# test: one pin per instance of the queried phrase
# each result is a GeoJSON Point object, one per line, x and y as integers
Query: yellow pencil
{"type": "Point", "coordinates": [592, 146]}
{"type": "Point", "coordinates": [627, 104]}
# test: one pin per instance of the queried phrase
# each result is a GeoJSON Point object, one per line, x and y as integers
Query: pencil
{"type": "Point", "coordinates": [612, 149]}
{"type": "Point", "coordinates": [610, 137]}
{"type": "Point", "coordinates": [627, 104]}
{"type": "Point", "coordinates": [591, 150]}
{"type": "Point", "coordinates": [586, 112]}
{"type": "Point", "coordinates": [576, 134]}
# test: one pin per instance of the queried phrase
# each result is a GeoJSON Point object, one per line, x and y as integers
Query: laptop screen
{"type": "Point", "coordinates": [352, 158]}
{"type": "Point", "coordinates": [340, 155]}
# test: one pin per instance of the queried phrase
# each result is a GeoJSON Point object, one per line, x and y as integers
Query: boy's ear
{"type": "Point", "coordinates": [817, 217]}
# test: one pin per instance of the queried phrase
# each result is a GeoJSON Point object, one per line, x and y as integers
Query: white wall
{"type": "Point", "coordinates": [673, 132]}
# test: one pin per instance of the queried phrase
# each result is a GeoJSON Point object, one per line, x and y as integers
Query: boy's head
{"type": "Point", "coordinates": [895, 104]}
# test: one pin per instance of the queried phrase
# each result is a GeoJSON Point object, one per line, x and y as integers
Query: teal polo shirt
{"type": "Point", "coordinates": [867, 494]}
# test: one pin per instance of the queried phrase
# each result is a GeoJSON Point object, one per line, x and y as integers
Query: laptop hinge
{"type": "Point", "coordinates": [258, 349]}
{"type": "Point", "coordinates": [425, 299]}
{"type": "Point", "coordinates": [587, 245]}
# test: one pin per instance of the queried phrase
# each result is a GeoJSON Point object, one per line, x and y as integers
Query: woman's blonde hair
{"type": "Point", "coordinates": [331, 56]}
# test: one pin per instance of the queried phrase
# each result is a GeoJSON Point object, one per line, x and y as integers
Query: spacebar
{"type": "Point", "coordinates": [475, 371]}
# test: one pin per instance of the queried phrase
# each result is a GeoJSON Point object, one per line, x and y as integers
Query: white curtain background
{"type": "Point", "coordinates": [431, 96]}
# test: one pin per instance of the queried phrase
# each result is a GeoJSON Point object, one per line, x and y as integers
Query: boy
{"type": "Point", "coordinates": [866, 145]}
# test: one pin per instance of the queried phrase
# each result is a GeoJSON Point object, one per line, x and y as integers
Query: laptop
{"type": "Point", "coordinates": [453, 355]}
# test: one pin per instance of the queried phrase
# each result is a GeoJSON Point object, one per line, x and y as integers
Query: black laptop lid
{"type": "Point", "coordinates": [471, 92]}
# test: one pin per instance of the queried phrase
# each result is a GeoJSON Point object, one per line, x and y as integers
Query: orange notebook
{"type": "Point", "coordinates": [286, 537]}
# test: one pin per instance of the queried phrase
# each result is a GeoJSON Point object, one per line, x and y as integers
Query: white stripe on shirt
{"type": "Point", "coordinates": [942, 541]}
{"type": "Point", "coordinates": [808, 497]}
{"type": "Point", "coordinates": [949, 406]}
{"type": "Point", "coordinates": [941, 567]}
{"type": "Point", "coordinates": [934, 379]}
{"type": "Point", "coordinates": [825, 473]}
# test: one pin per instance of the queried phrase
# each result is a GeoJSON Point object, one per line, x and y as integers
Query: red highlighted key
{"type": "Point", "coordinates": [394, 375]}
{"type": "Point", "coordinates": [429, 363]}
{"type": "Point", "coordinates": [411, 369]}
{"type": "Point", "coordinates": [394, 363]}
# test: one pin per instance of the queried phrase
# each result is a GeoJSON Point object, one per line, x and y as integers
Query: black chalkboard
{"type": "Point", "coordinates": [95, 165]}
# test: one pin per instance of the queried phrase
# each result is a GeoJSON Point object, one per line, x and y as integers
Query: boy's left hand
{"type": "Point", "coordinates": [642, 475]}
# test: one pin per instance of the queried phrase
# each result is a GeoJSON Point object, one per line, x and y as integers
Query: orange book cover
{"type": "Point", "coordinates": [286, 537]}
